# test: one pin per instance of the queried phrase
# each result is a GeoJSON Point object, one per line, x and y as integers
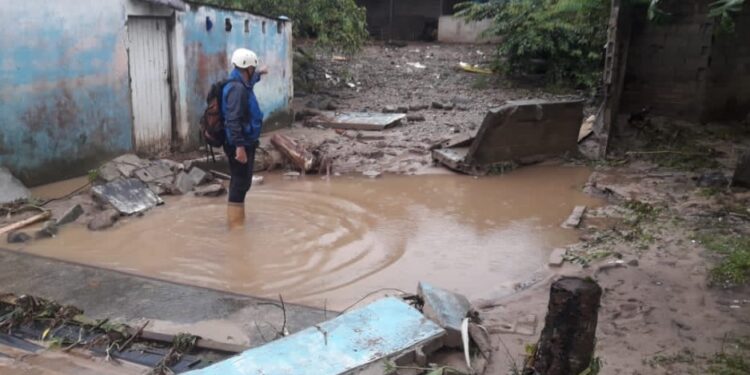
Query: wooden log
{"type": "Point", "coordinates": [295, 152]}
{"type": "Point", "coordinates": [566, 345]}
{"type": "Point", "coordinates": [25, 222]}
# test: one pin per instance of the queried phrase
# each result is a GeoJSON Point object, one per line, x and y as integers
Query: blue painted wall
{"type": "Point", "coordinates": [64, 95]}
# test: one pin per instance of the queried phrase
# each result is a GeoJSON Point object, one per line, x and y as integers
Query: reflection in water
{"type": "Point", "coordinates": [314, 240]}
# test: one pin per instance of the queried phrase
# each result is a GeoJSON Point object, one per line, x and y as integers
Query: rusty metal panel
{"type": "Point", "coordinates": [357, 120]}
{"type": "Point", "coordinates": [149, 84]}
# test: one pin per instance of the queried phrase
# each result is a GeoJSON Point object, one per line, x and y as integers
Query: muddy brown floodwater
{"type": "Point", "coordinates": [332, 241]}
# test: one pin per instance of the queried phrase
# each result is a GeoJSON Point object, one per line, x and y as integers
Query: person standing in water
{"type": "Point", "coordinates": [243, 120]}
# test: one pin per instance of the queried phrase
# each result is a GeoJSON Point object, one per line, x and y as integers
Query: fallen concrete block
{"type": "Point", "coordinates": [18, 237]}
{"type": "Point", "coordinates": [557, 257]}
{"type": "Point", "coordinates": [198, 176]}
{"type": "Point", "coordinates": [104, 219]}
{"type": "Point", "coordinates": [128, 196]}
{"type": "Point", "coordinates": [212, 190]}
{"type": "Point", "coordinates": [356, 342]}
{"type": "Point", "coordinates": [71, 215]}
{"type": "Point", "coordinates": [742, 171]}
{"type": "Point", "coordinates": [49, 230]}
{"type": "Point", "coordinates": [415, 117]}
{"type": "Point", "coordinates": [11, 189]}
{"type": "Point", "coordinates": [153, 172]}
{"type": "Point", "coordinates": [418, 107]}
{"type": "Point", "coordinates": [520, 131]}
{"type": "Point", "coordinates": [574, 220]}
{"type": "Point", "coordinates": [108, 172]}
{"type": "Point", "coordinates": [445, 308]}
{"type": "Point", "coordinates": [357, 120]}
{"type": "Point", "coordinates": [131, 159]}
{"type": "Point", "coordinates": [183, 184]}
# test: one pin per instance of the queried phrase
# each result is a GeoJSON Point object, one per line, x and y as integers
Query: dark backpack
{"type": "Point", "coordinates": [212, 121]}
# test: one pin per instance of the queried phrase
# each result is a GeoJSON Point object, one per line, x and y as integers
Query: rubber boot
{"type": "Point", "coordinates": [235, 215]}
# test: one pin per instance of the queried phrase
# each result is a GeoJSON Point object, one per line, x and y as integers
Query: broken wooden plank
{"type": "Point", "coordinates": [297, 154]}
{"type": "Point", "coordinates": [357, 120]}
{"type": "Point", "coordinates": [25, 222]}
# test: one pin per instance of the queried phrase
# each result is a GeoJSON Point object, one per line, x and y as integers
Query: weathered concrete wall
{"type": "Point", "coordinates": [456, 30]}
{"type": "Point", "coordinates": [668, 62]}
{"type": "Point", "coordinates": [208, 52]}
{"type": "Point", "coordinates": [408, 20]}
{"type": "Point", "coordinates": [64, 94]}
{"type": "Point", "coordinates": [728, 87]}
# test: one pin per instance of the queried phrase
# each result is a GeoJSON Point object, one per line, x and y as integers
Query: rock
{"type": "Point", "coordinates": [104, 219]}
{"type": "Point", "coordinates": [462, 107]}
{"type": "Point", "coordinates": [198, 176]}
{"type": "Point", "coordinates": [402, 109]}
{"type": "Point", "coordinates": [437, 105]}
{"type": "Point", "coordinates": [418, 107]}
{"type": "Point", "coordinates": [557, 257]}
{"type": "Point", "coordinates": [108, 172]}
{"type": "Point", "coordinates": [159, 189]}
{"type": "Point", "coordinates": [390, 109]}
{"type": "Point", "coordinates": [18, 237]}
{"type": "Point", "coordinates": [448, 106]}
{"type": "Point", "coordinates": [258, 180]}
{"type": "Point", "coordinates": [128, 196]}
{"type": "Point", "coordinates": [49, 229]}
{"type": "Point", "coordinates": [633, 263]}
{"type": "Point", "coordinates": [11, 189]}
{"type": "Point", "coordinates": [71, 215]}
{"type": "Point", "coordinates": [415, 117]}
{"type": "Point", "coordinates": [372, 174]}
{"type": "Point", "coordinates": [126, 170]}
{"type": "Point", "coordinates": [183, 184]}
{"type": "Point", "coordinates": [574, 220]}
{"type": "Point", "coordinates": [131, 159]}
{"type": "Point", "coordinates": [445, 308]}
{"type": "Point", "coordinates": [712, 180]}
{"type": "Point", "coordinates": [459, 99]}
{"type": "Point", "coordinates": [212, 190]}
{"type": "Point", "coordinates": [742, 171]}
{"type": "Point", "coordinates": [172, 165]}
{"type": "Point", "coordinates": [153, 172]}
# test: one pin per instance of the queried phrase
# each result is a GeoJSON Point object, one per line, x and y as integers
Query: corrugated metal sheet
{"type": "Point", "coordinates": [149, 84]}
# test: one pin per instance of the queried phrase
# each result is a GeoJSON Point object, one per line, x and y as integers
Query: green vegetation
{"type": "Point", "coordinates": [336, 24]}
{"type": "Point", "coordinates": [734, 266]}
{"type": "Point", "coordinates": [734, 359]}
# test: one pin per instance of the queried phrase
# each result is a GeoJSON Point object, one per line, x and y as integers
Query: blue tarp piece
{"type": "Point", "coordinates": [382, 329]}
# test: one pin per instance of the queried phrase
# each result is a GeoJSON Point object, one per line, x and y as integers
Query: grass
{"type": "Point", "coordinates": [733, 268]}
{"type": "Point", "coordinates": [683, 356]}
{"type": "Point", "coordinates": [732, 360]}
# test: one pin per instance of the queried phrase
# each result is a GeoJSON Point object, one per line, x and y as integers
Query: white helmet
{"type": "Point", "coordinates": [244, 58]}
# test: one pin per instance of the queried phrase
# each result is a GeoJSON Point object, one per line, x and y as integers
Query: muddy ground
{"type": "Point", "coordinates": [666, 183]}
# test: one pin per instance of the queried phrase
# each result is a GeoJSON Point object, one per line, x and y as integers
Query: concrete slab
{"type": "Point", "coordinates": [557, 257]}
{"type": "Point", "coordinates": [574, 220]}
{"type": "Point", "coordinates": [128, 196]}
{"type": "Point", "coordinates": [357, 120]}
{"type": "Point", "coordinates": [11, 189]}
{"type": "Point", "coordinates": [445, 308]}
{"type": "Point", "coordinates": [351, 343]}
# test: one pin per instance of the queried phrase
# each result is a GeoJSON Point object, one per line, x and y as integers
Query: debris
{"type": "Point", "coordinates": [295, 152]}
{"type": "Point", "coordinates": [49, 229]}
{"type": "Point", "coordinates": [129, 196]}
{"type": "Point", "coordinates": [71, 215]}
{"type": "Point", "coordinates": [389, 109]}
{"type": "Point", "coordinates": [131, 159]}
{"type": "Point", "coordinates": [742, 171]}
{"type": "Point", "coordinates": [574, 220]}
{"type": "Point", "coordinates": [481, 338]}
{"type": "Point", "coordinates": [372, 174]}
{"type": "Point", "coordinates": [402, 109]}
{"type": "Point", "coordinates": [356, 120]}
{"type": "Point", "coordinates": [11, 189]}
{"type": "Point", "coordinates": [465, 341]}
{"type": "Point", "coordinates": [183, 184]}
{"type": "Point", "coordinates": [415, 117]}
{"type": "Point", "coordinates": [108, 172]}
{"type": "Point", "coordinates": [18, 237]}
{"type": "Point", "coordinates": [418, 107]}
{"type": "Point", "coordinates": [104, 219]}
{"type": "Point", "coordinates": [473, 68]}
{"type": "Point", "coordinates": [212, 190]}
{"type": "Point", "coordinates": [445, 308]}
{"type": "Point", "coordinates": [370, 136]}
{"type": "Point", "coordinates": [153, 172]}
{"type": "Point", "coordinates": [337, 58]}
{"type": "Point", "coordinates": [198, 176]}
{"type": "Point", "coordinates": [437, 105]}
{"type": "Point", "coordinates": [172, 165]}
{"type": "Point", "coordinates": [460, 100]}
{"type": "Point", "coordinates": [519, 131]}
{"type": "Point", "coordinates": [587, 128]}
{"type": "Point", "coordinates": [291, 174]}
{"type": "Point", "coordinates": [416, 65]}
{"type": "Point", "coordinates": [25, 222]}
{"type": "Point", "coordinates": [557, 257]}
{"type": "Point", "coordinates": [358, 341]}
{"type": "Point", "coordinates": [566, 345]}
{"type": "Point", "coordinates": [258, 180]}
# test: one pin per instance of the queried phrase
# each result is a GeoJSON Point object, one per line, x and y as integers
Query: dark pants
{"type": "Point", "coordinates": [242, 174]}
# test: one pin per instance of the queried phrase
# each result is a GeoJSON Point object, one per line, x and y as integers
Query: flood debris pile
{"type": "Point", "coordinates": [31, 323]}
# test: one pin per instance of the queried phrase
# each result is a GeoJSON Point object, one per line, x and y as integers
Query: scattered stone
{"type": "Point", "coordinates": [445, 308]}
{"type": "Point", "coordinates": [18, 237]}
{"type": "Point", "coordinates": [415, 117]}
{"type": "Point", "coordinates": [104, 219]}
{"type": "Point", "coordinates": [258, 180]}
{"type": "Point", "coordinates": [448, 106]}
{"type": "Point", "coordinates": [742, 171]}
{"type": "Point", "coordinates": [458, 99]}
{"type": "Point", "coordinates": [372, 174]}
{"type": "Point", "coordinates": [11, 189]}
{"type": "Point", "coordinates": [128, 196]}
{"type": "Point", "coordinates": [390, 109]}
{"type": "Point", "coordinates": [462, 107]}
{"type": "Point", "coordinates": [712, 180]}
{"type": "Point", "coordinates": [418, 107]}
{"type": "Point", "coordinates": [633, 263]}
{"type": "Point", "coordinates": [108, 172]}
{"type": "Point", "coordinates": [183, 184]}
{"type": "Point", "coordinates": [402, 109]}
{"type": "Point", "coordinates": [49, 230]}
{"type": "Point", "coordinates": [370, 136]}
{"type": "Point", "coordinates": [437, 105]}
{"type": "Point", "coordinates": [557, 257]}
{"type": "Point", "coordinates": [574, 220]}
{"type": "Point", "coordinates": [71, 215]}
{"type": "Point", "coordinates": [198, 176]}
{"type": "Point", "coordinates": [212, 190]}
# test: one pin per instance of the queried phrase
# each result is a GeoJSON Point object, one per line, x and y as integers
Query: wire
{"type": "Point", "coordinates": [370, 294]}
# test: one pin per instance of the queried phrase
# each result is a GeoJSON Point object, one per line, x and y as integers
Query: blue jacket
{"type": "Point", "coordinates": [243, 118]}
